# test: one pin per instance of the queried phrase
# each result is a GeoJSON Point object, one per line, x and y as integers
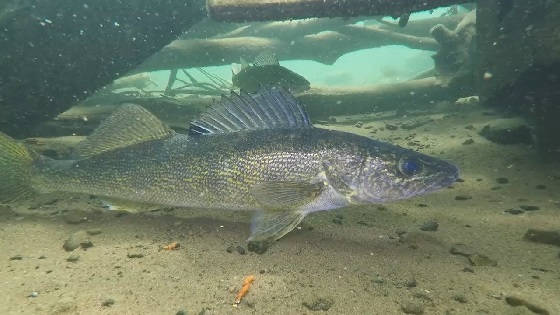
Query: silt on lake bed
{"type": "Point", "coordinates": [254, 152]}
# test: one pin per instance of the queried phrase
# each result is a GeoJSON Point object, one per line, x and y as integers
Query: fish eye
{"type": "Point", "coordinates": [410, 166]}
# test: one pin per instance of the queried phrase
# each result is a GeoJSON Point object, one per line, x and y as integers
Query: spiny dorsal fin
{"type": "Point", "coordinates": [270, 108]}
{"type": "Point", "coordinates": [266, 59]}
{"type": "Point", "coordinates": [130, 124]}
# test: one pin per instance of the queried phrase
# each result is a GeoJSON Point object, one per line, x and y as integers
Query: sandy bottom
{"type": "Point", "coordinates": [358, 260]}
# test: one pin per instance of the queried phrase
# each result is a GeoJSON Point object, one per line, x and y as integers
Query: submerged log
{"type": "Point", "coordinates": [320, 102]}
{"type": "Point", "coordinates": [258, 10]}
{"type": "Point", "coordinates": [221, 51]}
{"type": "Point", "coordinates": [422, 27]}
{"type": "Point", "coordinates": [324, 102]}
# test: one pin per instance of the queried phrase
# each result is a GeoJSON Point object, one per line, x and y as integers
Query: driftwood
{"type": "Point", "coordinates": [258, 10]}
{"type": "Point", "coordinates": [212, 43]}
{"type": "Point", "coordinates": [320, 102]}
{"type": "Point", "coordinates": [420, 27]}
{"type": "Point", "coordinates": [324, 102]}
{"type": "Point", "coordinates": [222, 51]}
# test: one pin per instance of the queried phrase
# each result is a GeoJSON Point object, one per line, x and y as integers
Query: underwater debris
{"type": "Point", "coordinates": [77, 239]}
{"type": "Point", "coordinates": [319, 304]}
{"type": "Point", "coordinates": [469, 100]}
{"type": "Point", "coordinates": [172, 246]}
{"type": "Point", "coordinates": [247, 282]}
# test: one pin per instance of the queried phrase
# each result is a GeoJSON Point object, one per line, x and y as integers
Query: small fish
{"type": "Point", "coordinates": [267, 71]}
{"type": "Point", "coordinates": [403, 19]}
{"type": "Point", "coordinates": [255, 152]}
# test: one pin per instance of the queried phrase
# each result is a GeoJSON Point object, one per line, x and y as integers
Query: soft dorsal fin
{"type": "Point", "coordinates": [269, 108]}
{"type": "Point", "coordinates": [128, 125]}
{"type": "Point", "coordinates": [266, 59]}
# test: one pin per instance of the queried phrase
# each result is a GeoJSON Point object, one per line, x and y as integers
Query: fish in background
{"type": "Point", "coordinates": [266, 71]}
{"type": "Point", "coordinates": [256, 152]}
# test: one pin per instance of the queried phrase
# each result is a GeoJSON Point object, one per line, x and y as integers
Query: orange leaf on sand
{"type": "Point", "coordinates": [244, 289]}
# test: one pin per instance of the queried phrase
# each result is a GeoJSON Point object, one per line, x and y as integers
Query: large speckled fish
{"type": "Point", "coordinates": [249, 152]}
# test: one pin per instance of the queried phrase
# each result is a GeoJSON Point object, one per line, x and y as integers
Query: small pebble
{"type": "Point", "coordinates": [230, 249]}
{"type": "Point", "coordinates": [86, 244]}
{"type": "Point", "coordinates": [16, 257]}
{"type": "Point", "coordinates": [93, 232]}
{"type": "Point", "coordinates": [460, 180]}
{"type": "Point", "coordinates": [240, 250]}
{"type": "Point", "coordinates": [181, 312]}
{"type": "Point", "coordinates": [34, 294]}
{"type": "Point", "coordinates": [529, 208]}
{"type": "Point", "coordinates": [468, 141]}
{"type": "Point", "coordinates": [319, 304]}
{"type": "Point", "coordinates": [134, 255]}
{"type": "Point", "coordinates": [429, 226]}
{"type": "Point", "coordinates": [413, 308]}
{"type": "Point", "coordinates": [482, 260]}
{"type": "Point", "coordinates": [378, 280]}
{"type": "Point", "coordinates": [411, 283]}
{"type": "Point", "coordinates": [502, 180]}
{"type": "Point", "coordinates": [73, 258]}
{"type": "Point", "coordinates": [391, 127]}
{"type": "Point", "coordinates": [463, 197]}
{"type": "Point", "coordinates": [461, 249]}
{"type": "Point", "coordinates": [514, 211]}
{"type": "Point", "coordinates": [75, 240]}
{"type": "Point", "coordinates": [337, 221]}
{"type": "Point", "coordinates": [460, 298]}
{"type": "Point", "coordinates": [75, 218]}
{"type": "Point", "coordinates": [258, 247]}
{"type": "Point", "coordinates": [108, 302]}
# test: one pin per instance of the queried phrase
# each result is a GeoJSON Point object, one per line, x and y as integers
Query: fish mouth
{"type": "Point", "coordinates": [451, 175]}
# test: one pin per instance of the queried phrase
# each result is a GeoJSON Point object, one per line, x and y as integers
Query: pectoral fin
{"type": "Point", "coordinates": [286, 195]}
{"type": "Point", "coordinates": [269, 225]}
{"type": "Point", "coordinates": [283, 202]}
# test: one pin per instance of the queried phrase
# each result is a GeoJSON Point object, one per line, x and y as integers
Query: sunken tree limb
{"type": "Point", "coordinates": [220, 51]}
{"type": "Point", "coordinates": [259, 10]}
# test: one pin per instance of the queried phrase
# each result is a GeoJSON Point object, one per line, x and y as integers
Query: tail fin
{"type": "Point", "coordinates": [15, 170]}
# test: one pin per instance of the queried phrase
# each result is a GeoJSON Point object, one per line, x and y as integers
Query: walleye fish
{"type": "Point", "coordinates": [266, 70]}
{"type": "Point", "coordinates": [255, 152]}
